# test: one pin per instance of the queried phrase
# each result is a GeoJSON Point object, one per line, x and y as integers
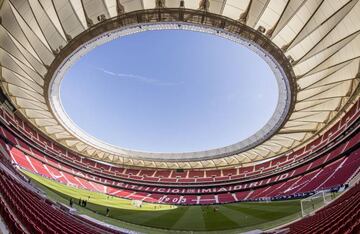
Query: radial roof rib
{"type": "Point", "coordinates": [49, 8]}
{"type": "Point", "coordinates": [78, 9]}
{"type": "Point", "coordinates": [222, 7]}
{"type": "Point", "coordinates": [20, 91]}
{"type": "Point", "coordinates": [312, 117]}
{"type": "Point", "coordinates": [217, 6]}
{"type": "Point", "coordinates": [315, 57]}
{"type": "Point", "coordinates": [290, 137]}
{"type": "Point", "coordinates": [256, 9]}
{"type": "Point", "coordinates": [193, 5]}
{"type": "Point", "coordinates": [20, 81]}
{"type": "Point", "coordinates": [51, 33]}
{"type": "Point", "coordinates": [20, 68]}
{"type": "Point", "coordinates": [62, 136]}
{"type": "Point", "coordinates": [91, 151]}
{"type": "Point", "coordinates": [53, 129]}
{"type": "Point", "coordinates": [272, 146]}
{"type": "Point", "coordinates": [43, 52]}
{"type": "Point", "coordinates": [7, 62]}
{"type": "Point", "coordinates": [71, 143]}
{"type": "Point", "coordinates": [8, 46]}
{"type": "Point", "coordinates": [323, 105]}
{"type": "Point", "coordinates": [15, 55]}
{"type": "Point", "coordinates": [290, 10]}
{"type": "Point", "coordinates": [341, 71]}
{"type": "Point", "coordinates": [45, 123]}
{"type": "Point", "coordinates": [295, 123]}
{"type": "Point", "coordinates": [120, 9]}
{"type": "Point", "coordinates": [342, 76]}
{"type": "Point", "coordinates": [283, 141]}
{"type": "Point", "coordinates": [133, 5]}
{"type": "Point", "coordinates": [230, 160]}
{"type": "Point", "coordinates": [80, 146]}
{"type": "Point", "coordinates": [348, 52]}
{"type": "Point", "coordinates": [95, 11]}
{"type": "Point", "coordinates": [325, 19]}
{"type": "Point", "coordinates": [29, 104]}
{"type": "Point", "coordinates": [295, 24]}
{"type": "Point", "coordinates": [315, 7]}
{"type": "Point", "coordinates": [334, 33]}
{"type": "Point", "coordinates": [329, 91]}
{"type": "Point", "coordinates": [308, 80]}
{"type": "Point", "coordinates": [246, 160]}
{"type": "Point", "coordinates": [12, 27]}
{"type": "Point", "coordinates": [35, 114]}
{"type": "Point", "coordinates": [172, 3]}
{"type": "Point", "coordinates": [112, 8]}
{"type": "Point", "coordinates": [234, 8]}
{"type": "Point", "coordinates": [264, 150]}
{"type": "Point", "coordinates": [244, 157]}
{"type": "Point", "coordinates": [307, 45]}
{"type": "Point", "coordinates": [24, 9]}
{"type": "Point", "coordinates": [35, 63]}
{"type": "Point", "coordinates": [69, 19]}
{"type": "Point", "coordinates": [271, 15]}
{"type": "Point", "coordinates": [301, 128]}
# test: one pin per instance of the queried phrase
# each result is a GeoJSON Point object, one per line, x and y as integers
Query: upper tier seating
{"type": "Point", "coordinates": [309, 177]}
{"type": "Point", "coordinates": [26, 136]}
{"type": "Point", "coordinates": [294, 174]}
{"type": "Point", "coordinates": [56, 153]}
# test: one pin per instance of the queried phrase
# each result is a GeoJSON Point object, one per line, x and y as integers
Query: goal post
{"type": "Point", "coordinates": [314, 202]}
{"type": "Point", "coordinates": [137, 203]}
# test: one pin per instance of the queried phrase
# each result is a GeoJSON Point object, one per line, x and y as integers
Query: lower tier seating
{"type": "Point", "coordinates": [298, 182]}
{"type": "Point", "coordinates": [25, 211]}
{"type": "Point", "coordinates": [340, 217]}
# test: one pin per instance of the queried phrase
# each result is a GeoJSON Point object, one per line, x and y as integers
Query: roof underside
{"type": "Point", "coordinates": [321, 37]}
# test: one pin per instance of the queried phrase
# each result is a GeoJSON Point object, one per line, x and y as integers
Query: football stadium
{"type": "Point", "coordinates": [179, 116]}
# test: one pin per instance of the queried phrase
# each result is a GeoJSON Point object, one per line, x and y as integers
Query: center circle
{"type": "Point", "coordinates": [170, 91]}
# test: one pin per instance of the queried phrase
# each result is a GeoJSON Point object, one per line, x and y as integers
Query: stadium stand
{"type": "Point", "coordinates": [330, 166]}
{"type": "Point", "coordinates": [340, 216]}
{"type": "Point", "coordinates": [327, 171]}
{"type": "Point", "coordinates": [25, 211]}
{"type": "Point", "coordinates": [313, 44]}
{"type": "Point", "coordinates": [20, 138]}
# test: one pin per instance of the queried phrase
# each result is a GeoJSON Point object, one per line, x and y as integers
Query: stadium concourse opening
{"type": "Point", "coordinates": [170, 91]}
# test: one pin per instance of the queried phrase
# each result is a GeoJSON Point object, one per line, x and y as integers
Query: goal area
{"type": "Point", "coordinates": [137, 203]}
{"type": "Point", "coordinates": [315, 201]}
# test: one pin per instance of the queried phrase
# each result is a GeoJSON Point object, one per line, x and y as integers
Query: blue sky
{"type": "Point", "coordinates": [170, 91]}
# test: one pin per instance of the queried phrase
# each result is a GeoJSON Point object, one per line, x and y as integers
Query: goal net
{"type": "Point", "coordinates": [137, 203]}
{"type": "Point", "coordinates": [314, 202]}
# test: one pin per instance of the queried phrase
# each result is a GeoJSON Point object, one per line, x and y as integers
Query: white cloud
{"type": "Point", "coordinates": [139, 78]}
{"type": "Point", "coordinates": [109, 73]}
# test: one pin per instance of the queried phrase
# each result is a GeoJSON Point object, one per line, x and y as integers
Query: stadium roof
{"type": "Point", "coordinates": [315, 43]}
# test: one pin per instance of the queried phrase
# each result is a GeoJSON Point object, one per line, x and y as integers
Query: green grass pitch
{"type": "Point", "coordinates": [155, 218]}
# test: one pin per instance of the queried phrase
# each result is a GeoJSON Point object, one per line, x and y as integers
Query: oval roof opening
{"type": "Point", "coordinates": [170, 91]}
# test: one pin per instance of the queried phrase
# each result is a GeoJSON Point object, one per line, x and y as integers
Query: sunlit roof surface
{"type": "Point", "coordinates": [319, 38]}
